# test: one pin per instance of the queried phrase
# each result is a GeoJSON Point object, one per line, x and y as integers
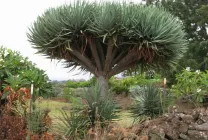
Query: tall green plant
{"type": "Point", "coordinates": [149, 101]}
{"type": "Point", "coordinates": [97, 105]}
{"type": "Point", "coordinates": [73, 125]}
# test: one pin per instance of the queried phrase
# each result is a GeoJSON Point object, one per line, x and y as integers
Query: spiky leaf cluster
{"type": "Point", "coordinates": [108, 37]}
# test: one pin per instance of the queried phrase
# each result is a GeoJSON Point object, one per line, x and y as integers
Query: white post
{"type": "Point", "coordinates": [31, 92]}
{"type": "Point", "coordinates": [165, 81]}
{"type": "Point", "coordinates": [31, 89]}
{"type": "Point", "coordinates": [30, 112]}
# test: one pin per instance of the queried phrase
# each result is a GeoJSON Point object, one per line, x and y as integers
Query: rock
{"type": "Point", "coordinates": [156, 133]}
{"type": "Point", "coordinates": [143, 138]}
{"type": "Point", "coordinates": [111, 137]}
{"type": "Point", "coordinates": [172, 135]}
{"type": "Point", "coordinates": [202, 127]}
{"type": "Point", "coordinates": [198, 135]}
{"type": "Point", "coordinates": [200, 121]}
{"type": "Point", "coordinates": [187, 118]}
{"type": "Point", "coordinates": [132, 136]}
{"type": "Point", "coordinates": [196, 115]}
{"type": "Point", "coordinates": [184, 137]}
{"type": "Point", "coordinates": [183, 128]}
{"type": "Point", "coordinates": [203, 118]}
{"type": "Point", "coordinates": [153, 136]}
{"type": "Point", "coordinates": [137, 129]}
{"type": "Point", "coordinates": [192, 127]}
{"type": "Point", "coordinates": [175, 122]}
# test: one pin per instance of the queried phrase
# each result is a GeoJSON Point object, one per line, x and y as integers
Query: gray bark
{"type": "Point", "coordinates": [103, 85]}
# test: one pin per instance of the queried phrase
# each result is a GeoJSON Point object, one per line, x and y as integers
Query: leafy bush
{"type": "Point", "coordinates": [17, 72]}
{"type": "Point", "coordinates": [77, 84]}
{"type": "Point", "coordinates": [67, 93]}
{"type": "Point", "coordinates": [13, 124]}
{"type": "Point", "coordinates": [16, 101]}
{"type": "Point", "coordinates": [149, 101]}
{"type": "Point", "coordinates": [124, 85]}
{"type": "Point", "coordinates": [12, 128]}
{"type": "Point", "coordinates": [191, 85]}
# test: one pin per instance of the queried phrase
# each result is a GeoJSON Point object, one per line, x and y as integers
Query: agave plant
{"type": "Point", "coordinates": [73, 125]}
{"type": "Point", "coordinates": [99, 108]}
{"type": "Point", "coordinates": [149, 101]}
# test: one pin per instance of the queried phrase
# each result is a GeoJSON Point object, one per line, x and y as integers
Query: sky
{"type": "Point", "coordinates": [16, 17]}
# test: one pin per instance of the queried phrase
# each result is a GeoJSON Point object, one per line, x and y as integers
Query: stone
{"type": "Point", "coordinates": [137, 129]}
{"type": "Point", "coordinates": [196, 115]}
{"type": "Point", "coordinates": [187, 118]}
{"type": "Point", "coordinates": [172, 135]}
{"type": "Point", "coordinates": [153, 136]}
{"type": "Point", "coordinates": [143, 138]}
{"type": "Point", "coordinates": [132, 136]}
{"type": "Point", "coordinates": [156, 133]}
{"type": "Point", "coordinates": [204, 118]}
{"type": "Point", "coordinates": [184, 137]}
{"type": "Point", "coordinates": [202, 127]}
{"type": "Point", "coordinates": [183, 128]}
{"type": "Point", "coordinates": [198, 135]}
{"type": "Point", "coordinates": [111, 137]}
{"type": "Point", "coordinates": [200, 121]}
{"type": "Point", "coordinates": [192, 127]}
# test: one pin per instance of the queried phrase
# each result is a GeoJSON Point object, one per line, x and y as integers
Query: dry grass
{"type": "Point", "coordinates": [54, 106]}
{"type": "Point", "coordinates": [125, 120]}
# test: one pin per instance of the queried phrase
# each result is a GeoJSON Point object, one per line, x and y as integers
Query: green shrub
{"type": "Point", "coordinates": [78, 84]}
{"type": "Point", "coordinates": [124, 85]}
{"type": "Point", "coordinates": [191, 85]}
{"type": "Point", "coordinates": [67, 93]}
{"type": "Point", "coordinates": [149, 101]}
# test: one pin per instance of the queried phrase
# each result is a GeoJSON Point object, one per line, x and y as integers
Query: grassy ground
{"type": "Point", "coordinates": [55, 107]}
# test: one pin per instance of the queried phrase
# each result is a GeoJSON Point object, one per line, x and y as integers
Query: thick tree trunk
{"type": "Point", "coordinates": [103, 85]}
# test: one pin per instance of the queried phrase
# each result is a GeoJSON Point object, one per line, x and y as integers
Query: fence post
{"type": "Point", "coordinates": [30, 112]}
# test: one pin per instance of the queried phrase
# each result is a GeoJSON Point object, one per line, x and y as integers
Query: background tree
{"type": "Point", "coordinates": [193, 16]}
{"type": "Point", "coordinates": [17, 72]}
{"type": "Point", "coordinates": [107, 38]}
{"type": "Point", "coordinates": [195, 25]}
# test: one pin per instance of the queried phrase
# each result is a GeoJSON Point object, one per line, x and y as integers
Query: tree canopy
{"type": "Point", "coordinates": [107, 38]}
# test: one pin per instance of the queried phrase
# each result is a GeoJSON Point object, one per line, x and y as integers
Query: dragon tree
{"type": "Point", "coordinates": [107, 38]}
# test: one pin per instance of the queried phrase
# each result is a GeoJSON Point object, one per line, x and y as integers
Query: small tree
{"type": "Point", "coordinates": [107, 38]}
